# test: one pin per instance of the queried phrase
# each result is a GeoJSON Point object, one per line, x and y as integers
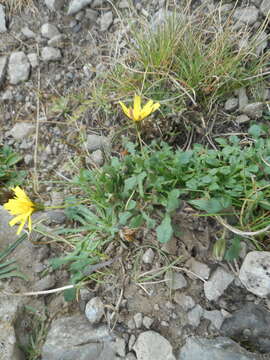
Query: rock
{"type": "Point", "coordinates": [106, 21]}
{"type": "Point", "coordinates": [120, 347]}
{"type": "Point", "coordinates": [148, 256]}
{"type": "Point", "coordinates": [75, 338]}
{"type": "Point", "coordinates": [49, 53]}
{"type": "Point", "coordinates": [220, 348]}
{"type": "Point", "coordinates": [215, 317]}
{"type": "Point", "coordinates": [3, 68]}
{"type": "Point", "coordinates": [231, 104]}
{"type": "Point", "coordinates": [55, 5]}
{"type": "Point", "coordinates": [261, 41]}
{"type": "Point", "coordinates": [147, 322]}
{"type": "Point", "coordinates": [49, 31]}
{"type": "Point", "coordinates": [198, 268]}
{"type": "Point", "coordinates": [97, 158]}
{"type": "Point", "coordinates": [45, 283]}
{"type": "Point", "coordinates": [91, 14]}
{"type": "Point", "coordinates": [217, 284]}
{"type": "Point", "coordinates": [241, 119]}
{"type": "Point", "coordinates": [170, 246]}
{"type": "Point", "coordinates": [131, 341]}
{"type": "Point", "coordinates": [77, 5]}
{"type": "Point", "coordinates": [150, 345]}
{"type": "Point", "coordinates": [56, 216]}
{"type": "Point", "coordinates": [33, 59]}
{"type": "Point", "coordinates": [242, 98]}
{"type": "Point", "coordinates": [96, 142]}
{"type": "Point", "coordinates": [265, 7]}
{"type": "Point", "coordinates": [7, 95]}
{"type": "Point", "coordinates": [3, 27]}
{"type": "Point", "coordinates": [28, 159]}
{"type": "Point", "coordinates": [18, 68]}
{"type": "Point", "coordinates": [160, 18]}
{"type": "Point", "coordinates": [194, 316]}
{"type": "Point", "coordinates": [57, 41]}
{"type": "Point", "coordinates": [175, 280]}
{"type": "Point", "coordinates": [22, 130]}
{"type": "Point", "coordinates": [138, 319]}
{"type": "Point", "coordinates": [252, 329]}
{"type": "Point", "coordinates": [248, 15]}
{"type": "Point", "coordinates": [185, 301]}
{"type": "Point", "coordinates": [130, 356]}
{"type": "Point", "coordinates": [131, 324]}
{"type": "Point", "coordinates": [123, 4]}
{"type": "Point", "coordinates": [254, 110]}
{"type": "Point", "coordinates": [28, 33]}
{"type": "Point", "coordinates": [255, 273]}
{"type": "Point", "coordinates": [94, 310]}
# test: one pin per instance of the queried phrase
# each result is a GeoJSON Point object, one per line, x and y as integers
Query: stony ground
{"type": "Point", "coordinates": [201, 308]}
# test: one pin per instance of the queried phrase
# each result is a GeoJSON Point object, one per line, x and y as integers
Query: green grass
{"type": "Point", "coordinates": [185, 61]}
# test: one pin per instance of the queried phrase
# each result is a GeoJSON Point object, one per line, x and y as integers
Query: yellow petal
{"type": "Point", "coordinates": [19, 218]}
{"type": "Point", "coordinates": [125, 109]}
{"type": "Point", "coordinates": [19, 193]}
{"type": "Point", "coordinates": [149, 108]}
{"type": "Point", "coordinates": [137, 108]}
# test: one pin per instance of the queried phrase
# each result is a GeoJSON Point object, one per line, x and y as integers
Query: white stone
{"type": "Point", "coordinates": [49, 31]}
{"type": "Point", "coordinates": [57, 41]}
{"type": "Point", "coordinates": [255, 273]}
{"type": "Point", "coordinates": [123, 4]}
{"type": "Point", "coordinates": [186, 302]}
{"type": "Point", "coordinates": [54, 5]}
{"type": "Point", "coordinates": [50, 54]}
{"type": "Point", "coordinates": [254, 110]}
{"type": "Point", "coordinates": [3, 27]}
{"type": "Point", "coordinates": [148, 256]}
{"type": "Point", "coordinates": [152, 346]}
{"type": "Point", "coordinates": [248, 15]}
{"type": "Point", "coordinates": [217, 284]}
{"type": "Point", "coordinates": [106, 21]}
{"type": "Point", "coordinates": [138, 319]}
{"type": "Point", "coordinates": [215, 317]}
{"type": "Point", "coordinates": [241, 119]}
{"type": "Point", "coordinates": [198, 268]}
{"type": "Point", "coordinates": [175, 280]}
{"type": "Point", "coordinates": [33, 59]}
{"type": "Point", "coordinates": [231, 104]}
{"type": "Point", "coordinates": [22, 130]}
{"type": "Point", "coordinates": [194, 316]}
{"type": "Point", "coordinates": [18, 68]}
{"type": "Point", "coordinates": [94, 310]}
{"type": "Point", "coordinates": [242, 98]}
{"type": "Point", "coordinates": [261, 41]}
{"type": "Point", "coordinates": [265, 7]}
{"type": "Point", "coordinates": [77, 5]}
{"type": "Point", "coordinates": [28, 33]}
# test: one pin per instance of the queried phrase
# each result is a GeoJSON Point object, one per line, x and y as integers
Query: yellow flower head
{"type": "Point", "coordinates": [21, 206]}
{"type": "Point", "coordinates": [138, 113]}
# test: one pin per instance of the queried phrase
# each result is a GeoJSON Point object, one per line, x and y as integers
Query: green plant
{"type": "Point", "coordinates": [146, 187]}
{"type": "Point", "coordinates": [9, 175]}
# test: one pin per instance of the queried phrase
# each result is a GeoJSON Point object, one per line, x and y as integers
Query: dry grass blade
{"type": "Point", "coordinates": [17, 6]}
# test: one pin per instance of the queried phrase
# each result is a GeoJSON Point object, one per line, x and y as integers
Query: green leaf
{"type": "Point", "coordinates": [123, 217]}
{"type": "Point", "coordinates": [173, 201]}
{"type": "Point", "coordinates": [255, 131]}
{"type": "Point", "coordinates": [164, 230]}
{"type": "Point", "coordinates": [70, 294]}
{"type": "Point", "coordinates": [211, 206]}
{"type": "Point", "coordinates": [130, 184]}
{"type": "Point", "coordinates": [234, 250]}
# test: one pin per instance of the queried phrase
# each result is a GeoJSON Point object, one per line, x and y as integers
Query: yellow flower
{"type": "Point", "coordinates": [138, 113]}
{"type": "Point", "coordinates": [21, 206]}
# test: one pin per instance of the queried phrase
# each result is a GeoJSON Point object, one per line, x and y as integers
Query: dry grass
{"type": "Point", "coordinates": [17, 6]}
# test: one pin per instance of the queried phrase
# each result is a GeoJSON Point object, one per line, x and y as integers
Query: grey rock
{"type": "Point", "coordinates": [241, 119]}
{"type": "Point", "coordinates": [106, 21]}
{"type": "Point", "coordinates": [28, 33]}
{"type": "Point", "coordinates": [49, 53]}
{"type": "Point", "coordinates": [94, 310]}
{"type": "Point", "coordinates": [7, 95]}
{"type": "Point", "coordinates": [265, 7]}
{"type": "Point", "coordinates": [261, 41]}
{"type": "Point", "coordinates": [131, 341]}
{"type": "Point", "coordinates": [3, 68]}
{"type": "Point", "coordinates": [18, 68]}
{"type": "Point", "coordinates": [91, 14]}
{"type": "Point", "coordinates": [231, 104]}
{"type": "Point", "coordinates": [28, 159]}
{"type": "Point", "coordinates": [147, 322]}
{"type": "Point", "coordinates": [138, 319]}
{"type": "Point", "coordinates": [194, 316]}
{"type": "Point", "coordinates": [97, 4]}
{"type": "Point", "coordinates": [56, 216]}
{"type": "Point", "coordinates": [57, 41]}
{"type": "Point", "coordinates": [130, 356]}
{"type": "Point", "coordinates": [220, 348]}
{"type": "Point", "coordinates": [73, 338]}
{"type": "Point", "coordinates": [123, 4]}
{"type": "Point", "coordinates": [248, 15]}
{"type": "Point", "coordinates": [185, 301]}
{"type": "Point", "coordinates": [22, 130]}
{"type": "Point", "coordinates": [148, 256]}
{"type": "Point", "coordinates": [254, 110]}
{"type": "Point", "coordinates": [151, 345]}
{"type": "Point", "coordinates": [120, 347]}
{"type": "Point", "coordinates": [251, 325]}
{"type": "Point", "coordinates": [175, 280]}
{"type": "Point", "coordinates": [9, 349]}
{"type": "Point", "coordinates": [217, 284]}
{"type": "Point", "coordinates": [97, 158]}
{"type": "Point", "coordinates": [255, 273]}
{"type": "Point", "coordinates": [198, 268]}
{"type": "Point", "coordinates": [49, 31]}
{"type": "Point", "coordinates": [45, 283]}
{"type": "Point", "coordinates": [131, 324]}
{"type": "Point", "coordinates": [3, 27]}
{"type": "Point", "coordinates": [77, 5]}
{"type": "Point", "coordinates": [215, 317]}
{"type": "Point", "coordinates": [96, 142]}
{"type": "Point", "coordinates": [33, 59]}
{"type": "Point", "coordinates": [55, 5]}
{"type": "Point", "coordinates": [242, 98]}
